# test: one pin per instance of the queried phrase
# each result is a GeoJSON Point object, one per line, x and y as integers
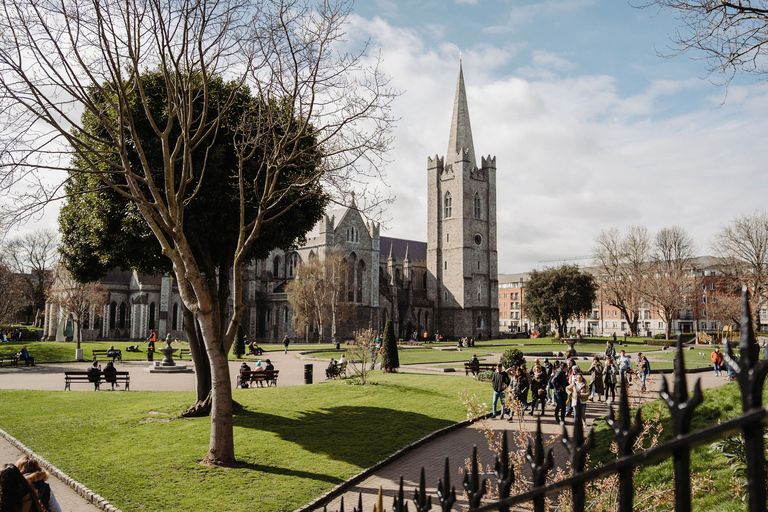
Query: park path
{"type": "Point", "coordinates": [456, 444]}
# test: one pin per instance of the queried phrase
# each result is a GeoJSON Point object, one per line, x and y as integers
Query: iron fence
{"type": "Point", "coordinates": [750, 372]}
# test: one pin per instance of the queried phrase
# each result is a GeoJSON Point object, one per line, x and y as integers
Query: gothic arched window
{"type": "Point", "coordinates": [175, 319]}
{"type": "Point", "coordinates": [447, 206]}
{"type": "Point", "coordinates": [293, 260]}
{"type": "Point", "coordinates": [276, 267]}
{"type": "Point", "coordinates": [478, 207]}
{"type": "Point", "coordinates": [123, 311]}
{"type": "Point", "coordinates": [152, 315]}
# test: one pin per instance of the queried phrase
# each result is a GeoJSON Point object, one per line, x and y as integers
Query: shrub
{"type": "Point", "coordinates": [484, 376]}
{"type": "Point", "coordinates": [656, 342]}
{"type": "Point", "coordinates": [390, 361]}
{"type": "Point", "coordinates": [659, 336]}
{"type": "Point", "coordinates": [238, 347]}
{"type": "Point", "coordinates": [512, 357]}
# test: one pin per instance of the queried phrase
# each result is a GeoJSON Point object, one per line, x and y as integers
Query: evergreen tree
{"type": "Point", "coordinates": [238, 347]}
{"type": "Point", "coordinates": [390, 361]}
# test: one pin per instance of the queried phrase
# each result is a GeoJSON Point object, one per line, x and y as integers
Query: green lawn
{"type": "Point", "coordinates": [720, 404]}
{"type": "Point", "coordinates": [295, 442]}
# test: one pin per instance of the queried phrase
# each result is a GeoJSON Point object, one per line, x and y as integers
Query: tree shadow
{"type": "Point", "coordinates": [292, 473]}
{"type": "Point", "coordinates": [361, 436]}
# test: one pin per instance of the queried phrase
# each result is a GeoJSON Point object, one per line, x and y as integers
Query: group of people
{"type": "Point", "coordinates": [23, 355]}
{"type": "Point", "coordinates": [266, 365]}
{"type": "Point", "coordinates": [562, 385]}
{"type": "Point", "coordinates": [330, 370]}
{"type": "Point", "coordinates": [23, 488]}
{"type": "Point", "coordinates": [11, 335]}
{"type": "Point", "coordinates": [110, 374]}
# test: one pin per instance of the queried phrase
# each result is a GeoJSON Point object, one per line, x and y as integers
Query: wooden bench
{"type": "Point", "coordinates": [90, 378]}
{"type": "Point", "coordinates": [262, 376]}
{"type": "Point", "coordinates": [476, 368]}
{"type": "Point", "coordinates": [9, 358]}
{"type": "Point", "coordinates": [340, 368]}
{"type": "Point", "coordinates": [184, 352]}
{"type": "Point", "coordinates": [102, 354]}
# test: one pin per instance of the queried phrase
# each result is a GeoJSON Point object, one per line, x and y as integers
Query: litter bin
{"type": "Point", "coordinates": [338, 345]}
{"type": "Point", "coordinates": [307, 374]}
{"type": "Point", "coordinates": [150, 355]}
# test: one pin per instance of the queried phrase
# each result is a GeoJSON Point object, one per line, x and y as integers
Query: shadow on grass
{"type": "Point", "coordinates": [357, 435]}
{"type": "Point", "coordinates": [292, 473]}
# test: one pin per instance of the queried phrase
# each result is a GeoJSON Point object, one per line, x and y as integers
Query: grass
{"type": "Point", "coordinates": [295, 442]}
{"type": "Point", "coordinates": [720, 404]}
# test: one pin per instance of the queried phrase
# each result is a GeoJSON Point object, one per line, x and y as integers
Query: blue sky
{"type": "Point", "coordinates": [591, 127]}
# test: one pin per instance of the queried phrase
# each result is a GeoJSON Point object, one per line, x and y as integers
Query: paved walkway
{"type": "Point", "coordinates": [458, 445]}
{"type": "Point", "coordinates": [431, 455]}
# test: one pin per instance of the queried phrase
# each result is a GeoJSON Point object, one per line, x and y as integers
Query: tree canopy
{"type": "Point", "coordinates": [557, 294]}
{"type": "Point", "coordinates": [76, 99]}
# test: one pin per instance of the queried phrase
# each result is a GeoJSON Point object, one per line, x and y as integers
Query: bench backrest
{"type": "Point", "coordinates": [267, 374]}
{"type": "Point", "coordinates": [88, 374]}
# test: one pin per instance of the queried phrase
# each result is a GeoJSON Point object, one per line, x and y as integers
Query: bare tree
{"type": "Point", "coordinates": [668, 282]}
{"type": "Point", "coordinates": [32, 256]}
{"type": "Point", "coordinates": [10, 289]}
{"type": "Point", "coordinates": [77, 299]}
{"type": "Point", "coordinates": [318, 293]}
{"type": "Point", "coordinates": [732, 34]}
{"type": "Point", "coordinates": [67, 67]}
{"type": "Point", "coordinates": [622, 263]}
{"type": "Point", "coordinates": [742, 250]}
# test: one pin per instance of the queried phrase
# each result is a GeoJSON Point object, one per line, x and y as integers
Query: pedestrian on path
{"type": "Point", "coordinates": [500, 382]}
{"type": "Point", "coordinates": [643, 369]}
{"type": "Point", "coordinates": [717, 360]}
{"type": "Point", "coordinates": [37, 476]}
{"type": "Point", "coordinates": [286, 342]}
{"type": "Point", "coordinates": [16, 493]}
{"type": "Point", "coordinates": [558, 383]}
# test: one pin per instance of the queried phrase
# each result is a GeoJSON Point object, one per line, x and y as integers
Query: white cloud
{"type": "Point", "coordinates": [574, 155]}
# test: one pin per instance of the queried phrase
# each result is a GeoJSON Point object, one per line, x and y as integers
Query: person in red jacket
{"type": "Point", "coordinates": [717, 359]}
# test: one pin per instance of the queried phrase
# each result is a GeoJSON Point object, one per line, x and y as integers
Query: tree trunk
{"type": "Point", "coordinates": [221, 450]}
{"type": "Point", "coordinates": [202, 405]}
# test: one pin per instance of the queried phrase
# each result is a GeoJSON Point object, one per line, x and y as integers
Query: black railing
{"type": "Point", "coordinates": [749, 371]}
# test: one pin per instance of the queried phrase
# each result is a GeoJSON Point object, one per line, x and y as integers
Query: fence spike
{"type": "Point", "coordinates": [341, 505]}
{"type": "Point", "coordinates": [421, 500]}
{"type": "Point", "coordinates": [504, 471]}
{"type": "Point", "coordinates": [445, 493]}
{"type": "Point", "coordinates": [625, 435]}
{"type": "Point", "coordinates": [472, 486]}
{"type": "Point", "coordinates": [360, 501]}
{"type": "Point", "coordinates": [540, 465]}
{"type": "Point", "coordinates": [399, 504]}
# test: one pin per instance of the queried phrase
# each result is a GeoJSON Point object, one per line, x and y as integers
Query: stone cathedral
{"type": "Point", "coordinates": [448, 285]}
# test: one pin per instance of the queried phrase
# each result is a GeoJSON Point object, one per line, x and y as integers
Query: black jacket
{"type": "Point", "coordinates": [500, 381]}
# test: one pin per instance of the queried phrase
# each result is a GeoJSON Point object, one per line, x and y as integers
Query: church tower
{"type": "Point", "coordinates": [462, 260]}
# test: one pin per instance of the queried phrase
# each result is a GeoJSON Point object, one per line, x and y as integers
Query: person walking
{"type": "Point", "coordinates": [609, 379]}
{"type": "Point", "coordinates": [596, 386]}
{"type": "Point", "coordinates": [643, 369]}
{"type": "Point", "coordinates": [558, 383]}
{"type": "Point", "coordinates": [610, 351]}
{"type": "Point", "coordinates": [717, 360]}
{"type": "Point", "coordinates": [538, 388]}
{"type": "Point", "coordinates": [500, 382]}
{"type": "Point", "coordinates": [37, 476]}
{"type": "Point", "coordinates": [286, 342]}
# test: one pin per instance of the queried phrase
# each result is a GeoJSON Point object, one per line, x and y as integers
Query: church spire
{"type": "Point", "coordinates": [461, 130]}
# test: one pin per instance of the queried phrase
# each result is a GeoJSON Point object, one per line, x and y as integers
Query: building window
{"type": "Point", "coordinates": [447, 238]}
{"type": "Point", "coordinates": [479, 322]}
{"type": "Point", "coordinates": [712, 286]}
{"type": "Point", "coordinates": [152, 315]}
{"type": "Point", "coordinates": [447, 210]}
{"type": "Point", "coordinates": [175, 323]}
{"type": "Point", "coordinates": [446, 266]}
{"type": "Point", "coordinates": [479, 290]}
{"type": "Point", "coordinates": [123, 312]}
{"type": "Point", "coordinates": [112, 314]}
{"type": "Point", "coordinates": [478, 209]}
{"type": "Point", "coordinates": [445, 296]}
{"type": "Point", "coordinates": [292, 262]}
{"type": "Point", "coordinates": [276, 267]}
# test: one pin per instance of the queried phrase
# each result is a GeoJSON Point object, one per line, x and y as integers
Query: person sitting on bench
{"type": "Point", "coordinates": [95, 374]}
{"type": "Point", "coordinates": [244, 368]}
{"type": "Point", "coordinates": [330, 371]}
{"type": "Point", "coordinates": [269, 365]}
{"type": "Point", "coordinates": [474, 359]}
{"type": "Point", "coordinates": [111, 352]}
{"type": "Point", "coordinates": [255, 349]}
{"type": "Point", "coordinates": [110, 374]}
{"type": "Point", "coordinates": [23, 355]}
